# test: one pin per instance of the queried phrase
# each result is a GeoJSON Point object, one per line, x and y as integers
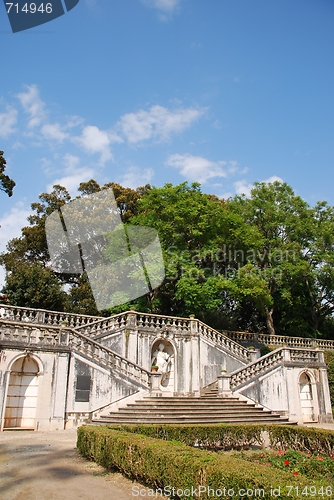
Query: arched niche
{"type": "Point", "coordinates": [163, 355]}
{"type": "Point", "coordinates": [21, 401]}
{"type": "Point", "coordinates": [306, 397]}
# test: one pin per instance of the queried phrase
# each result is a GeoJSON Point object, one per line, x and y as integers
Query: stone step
{"type": "Point", "coordinates": [191, 410]}
{"type": "Point", "coordinates": [190, 420]}
{"type": "Point", "coordinates": [176, 415]}
{"type": "Point", "coordinates": [211, 408]}
{"type": "Point", "coordinates": [192, 404]}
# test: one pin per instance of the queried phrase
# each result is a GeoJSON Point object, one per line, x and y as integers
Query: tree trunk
{"type": "Point", "coordinates": [269, 321]}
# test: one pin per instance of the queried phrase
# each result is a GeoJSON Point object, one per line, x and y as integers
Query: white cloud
{"type": "Point", "coordinates": [53, 131]}
{"type": "Point", "coordinates": [7, 121]}
{"type": "Point", "coordinates": [272, 179]}
{"type": "Point", "coordinates": [33, 105]}
{"type": "Point", "coordinates": [158, 122]}
{"type": "Point", "coordinates": [197, 168]}
{"type": "Point", "coordinates": [71, 162]}
{"type": "Point", "coordinates": [135, 177]}
{"type": "Point", "coordinates": [71, 182]}
{"type": "Point", "coordinates": [242, 187]}
{"type": "Point", "coordinates": [165, 7]}
{"type": "Point", "coordinates": [94, 140]}
{"type": "Point", "coordinates": [11, 224]}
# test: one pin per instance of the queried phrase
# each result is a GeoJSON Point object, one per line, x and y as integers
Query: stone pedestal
{"type": "Point", "coordinates": [224, 389]}
{"type": "Point", "coordinates": [155, 390]}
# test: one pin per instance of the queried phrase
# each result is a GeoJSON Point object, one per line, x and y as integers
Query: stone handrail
{"type": "Point", "coordinates": [48, 335]}
{"type": "Point", "coordinates": [42, 316]}
{"type": "Point", "coordinates": [222, 340]}
{"type": "Point", "coordinates": [134, 319]}
{"type": "Point", "coordinates": [279, 340]}
{"type": "Point", "coordinates": [269, 361]}
{"type": "Point", "coordinates": [104, 325]}
{"type": "Point", "coordinates": [158, 323]}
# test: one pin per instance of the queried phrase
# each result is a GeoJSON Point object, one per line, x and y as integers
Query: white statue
{"type": "Point", "coordinates": [163, 361]}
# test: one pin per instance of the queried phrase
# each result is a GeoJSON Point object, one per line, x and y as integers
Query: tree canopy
{"type": "Point", "coordinates": [6, 183]}
{"type": "Point", "coordinates": [263, 262]}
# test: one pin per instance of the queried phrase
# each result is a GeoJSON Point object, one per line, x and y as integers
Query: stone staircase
{"type": "Point", "coordinates": [206, 409]}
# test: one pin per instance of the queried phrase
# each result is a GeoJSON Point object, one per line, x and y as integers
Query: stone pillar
{"type": "Point", "coordinates": [155, 390]}
{"type": "Point", "coordinates": [253, 355]}
{"type": "Point", "coordinates": [131, 337]}
{"type": "Point", "coordinates": [326, 415]}
{"type": "Point", "coordinates": [224, 388]}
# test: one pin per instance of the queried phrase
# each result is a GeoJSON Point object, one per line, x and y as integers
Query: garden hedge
{"type": "Point", "coordinates": [301, 439]}
{"type": "Point", "coordinates": [227, 436]}
{"type": "Point", "coordinates": [168, 464]}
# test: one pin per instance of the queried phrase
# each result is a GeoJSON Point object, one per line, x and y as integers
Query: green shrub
{"type": "Point", "coordinates": [329, 360]}
{"type": "Point", "coordinates": [224, 436]}
{"type": "Point", "coordinates": [233, 436]}
{"type": "Point", "coordinates": [305, 439]}
{"type": "Point", "coordinates": [315, 466]}
{"type": "Point", "coordinates": [161, 464]}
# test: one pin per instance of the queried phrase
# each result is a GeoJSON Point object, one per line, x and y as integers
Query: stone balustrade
{"type": "Point", "coordinates": [279, 340]}
{"type": "Point", "coordinates": [223, 341]}
{"type": "Point", "coordinates": [42, 316]}
{"type": "Point", "coordinates": [95, 326]}
{"type": "Point", "coordinates": [159, 323]}
{"type": "Point", "coordinates": [48, 335]}
{"type": "Point", "coordinates": [104, 326]}
{"type": "Point", "coordinates": [269, 361]}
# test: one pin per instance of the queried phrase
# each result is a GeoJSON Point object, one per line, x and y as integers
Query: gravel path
{"type": "Point", "coordinates": [46, 466]}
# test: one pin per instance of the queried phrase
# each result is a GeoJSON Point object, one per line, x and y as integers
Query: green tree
{"type": "Point", "coordinates": [23, 254]}
{"type": "Point", "coordinates": [280, 226]}
{"type": "Point", "coordinates": [33, 285]}
{"type": "Point", "coordinates": [6, 183]}
{"type": "Point", "coordinates": [194, 228]}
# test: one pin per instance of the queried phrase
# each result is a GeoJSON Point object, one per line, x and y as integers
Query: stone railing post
{"type": "Point", "coordinates": [193, 325]}
{"type": "Point", "coordinates": [131, 337]}
{"type": "Point", "coordinates": [253, 355]}
{"type": "Point", "coordinates": [224, 386]}
{"type": "Point", "coordinates": [155, 384]}
{"type": "Point", "coordinates": [321, 357]}
{"type": "Point", "coordinates": [286, 355]}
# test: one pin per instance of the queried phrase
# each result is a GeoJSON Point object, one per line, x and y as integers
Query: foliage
{"type": "Point", "coordinates": [312, 465]}
{"type": "Point", "coordinates": [30, 281]}
{"type": "Point", "coordinates": [301, 439]}
{"type": "Point", "coordinates": [263, 263]}
{"type": "Point", "coordinates": [33, 285]}
{"type": "Point", "coordinates": [160, 464]}
{"type": "Point", "coordinates": [236, 436]}
{"type": "Point", "coordinates": [6, 183]}
{"type": "Point", "coordinates": [329, 360]}
{"type": "Point", "coordinates": [224, 436]}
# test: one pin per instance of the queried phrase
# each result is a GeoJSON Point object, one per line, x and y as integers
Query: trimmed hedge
{"type": "Point", "coordinates": [233, 436]}
{"type": "Point", "coordinates": [166, 464]}
{"type": "Point", "coordinates": [214, 436]}
{"type": "Point", "coordinates": [301, 439]}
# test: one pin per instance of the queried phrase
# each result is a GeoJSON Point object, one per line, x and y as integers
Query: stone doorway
{"type": "Point", "coordinates": [21, 404]}
{"type": "Point", "coordinates": [306, 398]}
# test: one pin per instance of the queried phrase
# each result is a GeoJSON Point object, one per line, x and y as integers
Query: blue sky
{"type": "Point", "coordinates": [223, 92]}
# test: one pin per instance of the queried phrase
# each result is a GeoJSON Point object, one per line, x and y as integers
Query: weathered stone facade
{"type": "Point", "coordinates": [57, 370]}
